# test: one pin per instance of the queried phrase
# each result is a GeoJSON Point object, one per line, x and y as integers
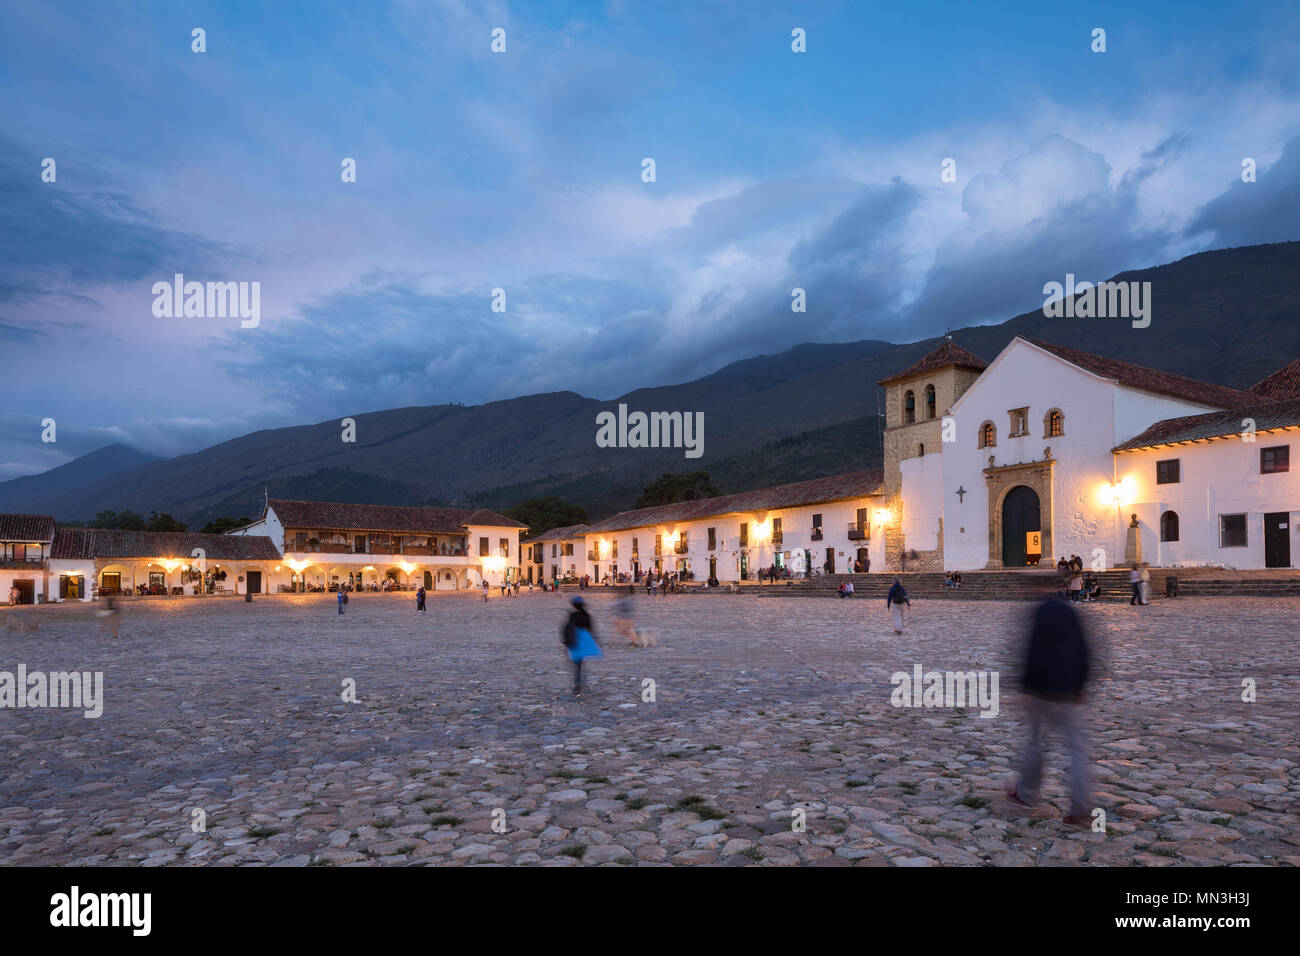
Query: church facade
{"type": "Point", "coordinates": [1049, 452]}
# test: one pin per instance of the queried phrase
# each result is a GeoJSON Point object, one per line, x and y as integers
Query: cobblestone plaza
{"type": "Point", "coordinates": [770, 740]}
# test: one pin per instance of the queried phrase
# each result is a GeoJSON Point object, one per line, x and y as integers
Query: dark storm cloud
{"type": "Point", "coordinates": [76, 232]}
{"type": "Point", "coordinates": [1267, 210]}
{"type": "Point", "coordinates": [384, 342]}
{"type": "Point", "coordinates": [996, 268]}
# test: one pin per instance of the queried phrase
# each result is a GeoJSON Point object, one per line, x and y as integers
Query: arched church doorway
{"type": "Point", "coordinates": [1020, 515]}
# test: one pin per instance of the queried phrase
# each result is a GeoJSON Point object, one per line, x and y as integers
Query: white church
{"type": "Point", "coordinates": [1047, 452]}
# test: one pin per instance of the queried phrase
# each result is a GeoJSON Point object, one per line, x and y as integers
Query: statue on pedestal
{"type": "Point", "coordinates": [1133, 543]}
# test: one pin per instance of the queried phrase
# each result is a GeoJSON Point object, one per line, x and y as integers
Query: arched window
{"type": "Point", "coordinates": [1169, 526]}
{"type": "Point", "coordinates": [1053, 424]}
{"type": "Point", "coordinates": [929, 401]}
{"type": "Point", "coordinates": [909, 407]}
{"type": "Point", "coordinates": [988, 435]}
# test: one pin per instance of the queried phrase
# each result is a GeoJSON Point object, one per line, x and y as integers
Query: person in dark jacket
{"type": "Point", "coordinates": [894, 601]}
{"type": "Point", "coordinates": [580, 640]}
{"type": "Point", "coordinates": [419, 599]}
{"type": "Point", "coordinates": [1055, 675]}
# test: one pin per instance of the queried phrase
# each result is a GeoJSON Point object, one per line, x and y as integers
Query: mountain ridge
{"type": "Point", "coordinates": [1226, 316]}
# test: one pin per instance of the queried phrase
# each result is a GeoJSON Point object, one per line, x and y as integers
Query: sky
{"type": "Point", "coordinates": [522, 171]}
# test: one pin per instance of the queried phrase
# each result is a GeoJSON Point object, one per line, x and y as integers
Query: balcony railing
{"type": "Point", "coordinates": [857, 532]}
{"type": "Point", "coordinates": [659, 551]}
{"type": "Point", "coordinates": [777, 538]}
{"type": "Point", "coordinates": [816, 534]}
{"type": "Point", "coordinates": [22, 564]}
{"type": "Point", "coordinates": [332, 547]}
{"type": "Point", "coordinates": [681, 547]}
{"type": "Point", "coordinates": [593, 555]}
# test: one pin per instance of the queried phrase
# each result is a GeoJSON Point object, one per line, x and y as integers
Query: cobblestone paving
{"type": "Point", "coordinates": [762, 707]}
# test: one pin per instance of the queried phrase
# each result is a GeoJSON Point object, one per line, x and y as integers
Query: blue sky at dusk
{"type": "Point", "coordinates": [522, 170]}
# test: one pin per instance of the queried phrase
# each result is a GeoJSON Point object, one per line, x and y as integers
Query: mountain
{"type": "Point", "coordinates": [1228, 317]}
{"type": "Point", "coordinates": [46, 493]}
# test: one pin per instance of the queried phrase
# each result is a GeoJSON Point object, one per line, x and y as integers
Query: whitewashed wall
{"type": "Point", "coordinates": [1025, 375]}
{"type": "Point", "coordinates": [1217, 478]}
{"type": "Point", "coordinates": [796, 534]}
{"type": "Point", "coordinates": [923, 501]}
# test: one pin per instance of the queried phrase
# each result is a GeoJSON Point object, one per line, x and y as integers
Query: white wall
{"type": "Point", "coordinates": [1136, 411]}
{"type": "Point", "coordinates": [796, 534]}
{"type": "Point", "coordinates": [923, 501]}
{"type": "Point", "coordinates": [1218, 477]}
{"type": "Point", "coordinates": [269, 526]}
{"type": "Point", "coordinates": [1024, 375]}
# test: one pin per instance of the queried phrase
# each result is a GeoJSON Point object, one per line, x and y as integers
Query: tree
{"type": "Point", "coordinates": [162, 522]}
{"type": "Point", "coordinates": [543, 514]}
{"type": "Point", "coordinates": [224, 524]}
{"type": "Point", "coordinates": [124, 521]}
{"type": "Point", "coordinates": [668, 489]}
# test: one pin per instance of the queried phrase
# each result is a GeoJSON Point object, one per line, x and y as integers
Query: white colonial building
{"type": "Point", "coordinates": [826, 522]}
{"type": "Point", "coordinates": [1050, 452]}
{"type": "Point", "coordinates": [25, 542]}
{"type": "Point", "coordinates": [556, 555]}
{"type": "Point", "coordinates": [326, 545]}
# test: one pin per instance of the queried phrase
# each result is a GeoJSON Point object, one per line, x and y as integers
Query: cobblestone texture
{"type": "Point", "coordinates": [763, 707]}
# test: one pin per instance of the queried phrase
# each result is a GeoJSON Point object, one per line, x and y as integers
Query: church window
{"type": "Point", "coordinates": [988, 435]}
{"type": "Point", "coordinates": [909, 407]}
{"type": "Point", "coordinates": [1054, 424]}
{"type": "Point", "coordinates": [1169, 526]}
{"type": "Point", "coordinates": [929, 401]}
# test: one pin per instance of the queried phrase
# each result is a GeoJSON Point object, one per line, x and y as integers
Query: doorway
{"type": "Point", "coordinates": [1020, 515]}
{"type": "Point", "coordinates": [254, 582]}
{"type": "Point", "coordinates": [1277, 539]}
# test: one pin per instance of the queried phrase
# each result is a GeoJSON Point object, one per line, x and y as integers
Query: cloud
{"type": "Point", "coordinates": [58, 236]}
{"type": "Point", "coordinates": [1267, 210]}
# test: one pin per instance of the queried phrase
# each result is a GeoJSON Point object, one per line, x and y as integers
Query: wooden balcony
{"type": "Point", "coordinates": [858, 532]}
{"type": "Point", "coordinates": [22, 564]}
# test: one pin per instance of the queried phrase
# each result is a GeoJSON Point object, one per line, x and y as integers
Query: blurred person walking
{"type": "Point", "coordinates": [579, 640]}
{"type": "Point", "coordinates": [894, 601]}
{"type": "Point", "coordinates": [1055, 674]}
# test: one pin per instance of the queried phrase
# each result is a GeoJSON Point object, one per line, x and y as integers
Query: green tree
{"type": "Point", "coordinates": [668, 489]}
{"type": "Point", "coordinates": [163, 522]}
{"type": "Point", "coordinates": [121, 521]}
{"type": "Point", "coordinates": [543, 514]}
{"type": "Point", "coordinates": [224, 524]}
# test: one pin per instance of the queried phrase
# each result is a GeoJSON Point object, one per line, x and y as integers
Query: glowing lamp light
{"type": "Point", "coordinates": [171, 564]}
{"type": "Point", "coordinates": [763, 531]}
{"type": "Point", "coordinates": [494, 563]}
{"type": "Point", "coordinates": [1119, 494]}
{"type": "Point", "coordinates": [882, 516]}
{"type": "Point", "coordinates": [406, 567]}
{"type": "Point", "coordinates": [296, 565]}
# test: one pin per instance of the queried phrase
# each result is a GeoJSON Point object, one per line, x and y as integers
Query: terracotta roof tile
{"type": "Point", "coordinates": [559, 534]}
{"type": "Point", "coordinates": [1225, 424]}
{"type": "Point", "coordinates": [857, 484]}
{"type": "Point", "coordinates": [26, 529]}
{"type": "Point", "coordinates": [1282, 385]}
{"type": "Point", "coordinates": [384, 518]}
{"type": "Point", "coordinates": [90, 543]}
{"type": "Point", "coordinates": [1149, 379]}
{"type": "Point", "coordinates": [949, 353]}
